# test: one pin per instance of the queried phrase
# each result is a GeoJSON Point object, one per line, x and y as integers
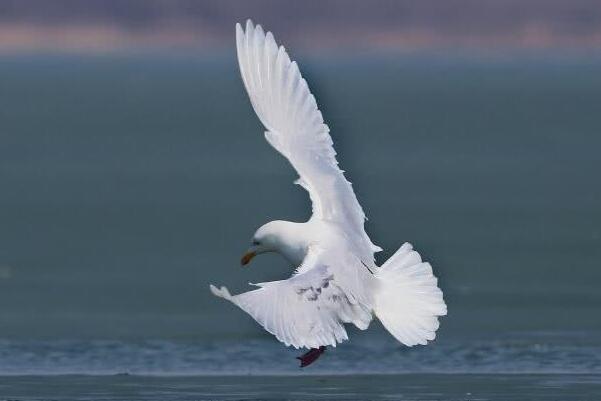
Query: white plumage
{"type": "Point", "coordinates": [336, 280]}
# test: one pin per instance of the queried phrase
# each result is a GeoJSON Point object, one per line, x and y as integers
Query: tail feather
{"type": "Point", "coordinates": [409, 302]}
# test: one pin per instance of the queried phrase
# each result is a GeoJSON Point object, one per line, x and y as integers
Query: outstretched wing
{"type": "Point", "coordinates": [307, 310]}
{"type": "Point", "coordinates": [295, 127]}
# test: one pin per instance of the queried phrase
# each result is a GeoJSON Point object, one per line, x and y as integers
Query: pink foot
{"type": "Point", "coordinates": [310, 356]}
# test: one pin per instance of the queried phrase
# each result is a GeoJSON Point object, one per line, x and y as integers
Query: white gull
{"type": "Point", "coordinates": [336, 280]}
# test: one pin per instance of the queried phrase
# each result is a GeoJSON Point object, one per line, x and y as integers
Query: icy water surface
{"type": "Point", "coordinates": [474, 387]}
{"type": "Point", "coordinates": [533, 366]}
{"type": "Point", "coordinates": [374, 353]}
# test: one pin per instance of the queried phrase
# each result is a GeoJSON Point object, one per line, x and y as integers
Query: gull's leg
{"type": "Point", "coordinates": [310, 356]}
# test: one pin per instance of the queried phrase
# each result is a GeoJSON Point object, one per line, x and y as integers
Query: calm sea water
{"type": "Point", "coordinates": [129, 183]}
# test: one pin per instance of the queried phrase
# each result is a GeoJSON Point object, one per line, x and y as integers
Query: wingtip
{"type": "Point", "coordinates": [220, 292]}
{"type": "Point", "coordinates": [239, 29]}
{"type": "Point", "coordinates": [249, 25]}
{"type": "Point", "coordinates": [270, 39]}
{"type": "Point", "coordinates": [259, 30]}
{"type": "Point", "coordinates": [239, 35]}
{"type": "Point", "coordinates": [214, 289]}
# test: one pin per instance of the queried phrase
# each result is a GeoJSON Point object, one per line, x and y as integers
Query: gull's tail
{"type": "Point", "coordinates": [408, 301]}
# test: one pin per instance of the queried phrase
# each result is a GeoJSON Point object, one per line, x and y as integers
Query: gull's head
{"type": "Point", "coordinates": [270, 237]}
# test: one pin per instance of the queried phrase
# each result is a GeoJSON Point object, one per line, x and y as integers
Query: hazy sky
{"type": "Point", "coordinates": [101, 25]}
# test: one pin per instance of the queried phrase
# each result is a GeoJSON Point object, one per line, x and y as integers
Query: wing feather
{"type": "Point", "coordinates": [295, 128]}
{"type": "Point", "coordinates": [307, 310]}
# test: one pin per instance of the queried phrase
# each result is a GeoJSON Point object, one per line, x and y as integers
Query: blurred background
{"type": "Point", "coordinates": [133, 173]}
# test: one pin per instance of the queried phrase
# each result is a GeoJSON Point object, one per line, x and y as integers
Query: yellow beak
{"type": "Point", "coordinates": [247, 258]}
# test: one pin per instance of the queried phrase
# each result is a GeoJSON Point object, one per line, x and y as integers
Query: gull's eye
{"type": "Point", "coordinates": [256, 242]}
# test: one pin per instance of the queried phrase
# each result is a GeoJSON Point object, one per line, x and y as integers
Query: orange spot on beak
{"type": "Point", "coordinates": [247, 258]}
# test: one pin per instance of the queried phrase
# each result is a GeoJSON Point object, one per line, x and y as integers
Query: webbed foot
{"type": "Point", "coordinates": [310, 356]}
